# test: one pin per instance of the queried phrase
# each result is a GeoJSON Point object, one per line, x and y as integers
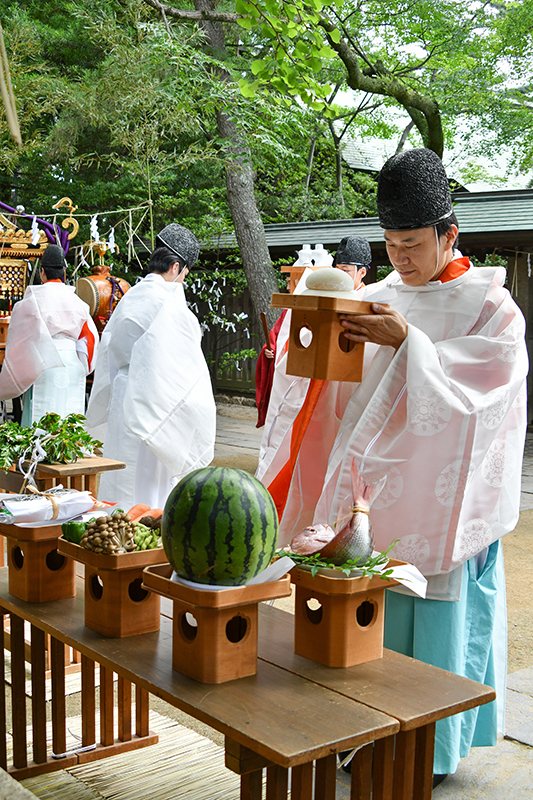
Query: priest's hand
{"type": "Point", "coordinates": [385, 326]}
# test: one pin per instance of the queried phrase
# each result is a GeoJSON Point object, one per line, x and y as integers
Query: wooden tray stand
{"type": "Point", "coordinates": [116, 603]}
{"type": "Point", "coordinates": [338, 622]}
{"type": "Point", "coordinates": [214, 633]}
{"type": "Point", "coordinates": [330, 356]}
{"type": "Point", "coordinates": [37, 572]}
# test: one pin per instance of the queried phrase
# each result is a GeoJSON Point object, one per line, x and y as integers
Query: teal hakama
{"type": "Point", "coordinates": [468, 637]}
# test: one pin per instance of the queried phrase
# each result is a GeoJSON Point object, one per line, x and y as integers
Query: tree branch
{"type": "Point", "coordinates": [209, 15]}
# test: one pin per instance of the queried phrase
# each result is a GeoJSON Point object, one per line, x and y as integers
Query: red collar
{"type": "Point", "coordinates": [454, 269]}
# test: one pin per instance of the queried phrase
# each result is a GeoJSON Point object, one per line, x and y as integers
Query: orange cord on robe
{"type": "Point", "coordinates": [279, 488]}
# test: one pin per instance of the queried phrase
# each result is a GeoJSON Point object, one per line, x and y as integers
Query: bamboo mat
{"type": "Point", "coordinates": [182, 766]}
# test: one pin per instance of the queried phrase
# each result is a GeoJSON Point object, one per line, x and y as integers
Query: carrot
{"type": "Point", "coordinates": [137, 511]}
{"type": "Point", "coordinates": [155, 513]}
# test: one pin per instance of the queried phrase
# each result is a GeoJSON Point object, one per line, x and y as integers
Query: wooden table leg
{"type": "Point", "coordinates": [302, 782]}
{"type": "Point", "coordinates": [383, 770]}
{"type": "Point", "coordinates": [59, 719]}
{"type": "Point", "coordinates": [3, 685]}
{"type": "Point", "coordinates": [38, 694]}
{"type": "Point", "coordinates": [18, 692]}
{"type": "Point", "coordinates": [88, 702]}
{"type": "Point", "coordinates": [277, 783]}
{"type": "Point", "coordinates": [142, 712]}
{"type": "Point", "coordinates": [107, 731]}
{"type": "Point", "coordinates": [252, 785]}
{"type": "Point", "coordinates": [425, 746]}
{"type": "Point", "coordinates": [124, 710]}
{"type": "Point", "coordinates": [361, 771]}
{"type": "Point", "coordinates": [326, 777]}
{"type": "Point", "coordinates": [404, 765]}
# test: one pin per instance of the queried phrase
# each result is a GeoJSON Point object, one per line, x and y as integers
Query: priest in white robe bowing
{"type": "Point", "coordinates": [51, 345]}
{"type": "Point", "coordinates": [441, 412]}
{"type": "Point", "coordinates": [152, 401]}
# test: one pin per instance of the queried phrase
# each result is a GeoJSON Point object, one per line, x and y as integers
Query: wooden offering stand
{"type": "Point", "coordinates": [330, 356]}
{"type": "Point", "coordinates": [82, 475]}
{"type": "Point", "coordinates": [37, 572]}
{"type": "Point", "coordinates": [214, 633]}
{"type": "Point", "coordinates": [347, 626]}
{"type": "Point", "coordinates": [116, 602]}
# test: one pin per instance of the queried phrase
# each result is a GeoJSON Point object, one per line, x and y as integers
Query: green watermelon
{"type": "Point", "coordinates": [219, 527]}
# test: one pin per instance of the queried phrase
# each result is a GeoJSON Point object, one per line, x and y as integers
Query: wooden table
{"type": "Point", "coordinates": [82, 474]}
{"type": "Point", "coordinates": [291, 718]}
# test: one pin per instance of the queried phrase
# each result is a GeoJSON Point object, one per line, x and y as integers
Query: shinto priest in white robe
{"type": "Point", "coordinates": [444, 418]}
{"type": "Point", "coordinates": [152, 400]}
{"type": "Point", "coordinates": [51, 347]}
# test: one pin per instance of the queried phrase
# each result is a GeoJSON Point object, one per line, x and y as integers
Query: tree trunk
{"type": "Point", "coordinates": [249, 229]}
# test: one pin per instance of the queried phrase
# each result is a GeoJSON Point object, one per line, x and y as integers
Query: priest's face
{"type": "Point", "coordinates": [356, 273]}
{"type": "Point", "coordinates": [415, 255]}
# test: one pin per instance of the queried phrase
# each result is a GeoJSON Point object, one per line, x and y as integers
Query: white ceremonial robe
{"type": "Point", "coordinates": [152, 400]}
{"type": "Point", "coordinates": [51, 347]}
{"type": "Point", "coordinates": [444, 418]}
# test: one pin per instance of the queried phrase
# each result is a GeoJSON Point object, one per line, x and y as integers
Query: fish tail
{"type": "Point", "coordinates": [365, 493]}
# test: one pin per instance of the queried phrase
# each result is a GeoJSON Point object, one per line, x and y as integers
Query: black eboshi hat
{"type": "Point", "coordinates": [413, 191]}
{"type": "Point", "coordinates": [353, 250]}
{"type": "Point", "coordinates": [53, 256]}
{"type": "Point", "coordinates": [180, 241]}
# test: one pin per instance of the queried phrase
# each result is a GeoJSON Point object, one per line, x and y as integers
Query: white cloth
{"type": "Point", "coordinates": [443, 417]}
{"type": "Point", "coordinates": [51, 344]}
{"type": "Point", "coordinates": [152, 400]}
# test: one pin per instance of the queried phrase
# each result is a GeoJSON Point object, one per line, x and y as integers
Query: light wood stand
{"type": "Point", "coordinates": [37, 572]}
{"type": "Point", "coordinates": [214, 633]}
{"type": "Point", "coordinates": [344, 625]}
{"type": "Point", "coordinates": [329, 355]}
{"type": "Point", "coordinates": [116, 604]}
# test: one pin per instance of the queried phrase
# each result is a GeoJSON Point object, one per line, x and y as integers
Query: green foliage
{"type": "Point", "coordinates": [62, 439]}
{"type": "Point", "coordinates": [375, 565]}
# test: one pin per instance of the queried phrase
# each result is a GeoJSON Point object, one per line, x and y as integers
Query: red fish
{"type": "Point", "coordinates": [355, 539]}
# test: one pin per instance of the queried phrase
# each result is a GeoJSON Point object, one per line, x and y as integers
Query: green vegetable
{"type": "Point", "coordinates": [373, 566]}
{"type": "Point", "coordinates": [63, 439]}
{"type": "Point", "coordinates": [145, 538]}
{"type": "Point", "coordinates": [73, 531]}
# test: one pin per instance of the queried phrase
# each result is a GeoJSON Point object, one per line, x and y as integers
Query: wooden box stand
{"type": "Point", "coordinates": [214, 633]}
{"type": "Point", "coordinates": [329, 356]}
{"type": "Point", "coordinates": [37, 572]}
{"type": "Point", "coordinates": [338, 622]}
{"type": "Point", "coordinates": [116, 603]}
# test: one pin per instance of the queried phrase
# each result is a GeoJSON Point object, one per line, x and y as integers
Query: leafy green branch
{"type": "Point", "coordinates": [62, 439]}
{"type": "Point", "coordinates": [371, 567]}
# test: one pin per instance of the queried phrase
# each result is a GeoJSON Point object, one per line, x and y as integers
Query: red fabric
{"type": "Point", "coordinates": [279, 488]}
{"type": "Point", "coordinates": [87, 334]}
{"type": "Point", "coordinates": [264, 374]}
{"type": "Point", "coordinates": [454, 269]}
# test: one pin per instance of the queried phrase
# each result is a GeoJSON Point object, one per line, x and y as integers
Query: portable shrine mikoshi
{"type": "Point", "coordinates": [214, 632]}
{"type": "Point", "coordinates": [338, 621]}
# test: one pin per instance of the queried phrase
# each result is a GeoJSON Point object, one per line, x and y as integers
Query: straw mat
{"type": "Point", "coordinates": [182, 766]}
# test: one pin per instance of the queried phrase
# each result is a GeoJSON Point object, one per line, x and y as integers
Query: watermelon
{"type": "Point", "coordinates": [219, 527]}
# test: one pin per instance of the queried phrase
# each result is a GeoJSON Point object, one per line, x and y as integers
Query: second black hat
{"type": "Point", "coordinates": [353, 250]}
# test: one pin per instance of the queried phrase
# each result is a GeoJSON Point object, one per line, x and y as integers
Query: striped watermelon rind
{"type": "Point", "coordinates": [219, 527]}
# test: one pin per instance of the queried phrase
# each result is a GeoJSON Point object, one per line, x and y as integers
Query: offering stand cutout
{"type": "Point", "coordinates": [329, 355]}
{"type": "Point", "coordinates": [116, 602]}
{"type": "Point", "coordinates": [338, 622]}
{"type": "Point", "coordinates": [214, 632]}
